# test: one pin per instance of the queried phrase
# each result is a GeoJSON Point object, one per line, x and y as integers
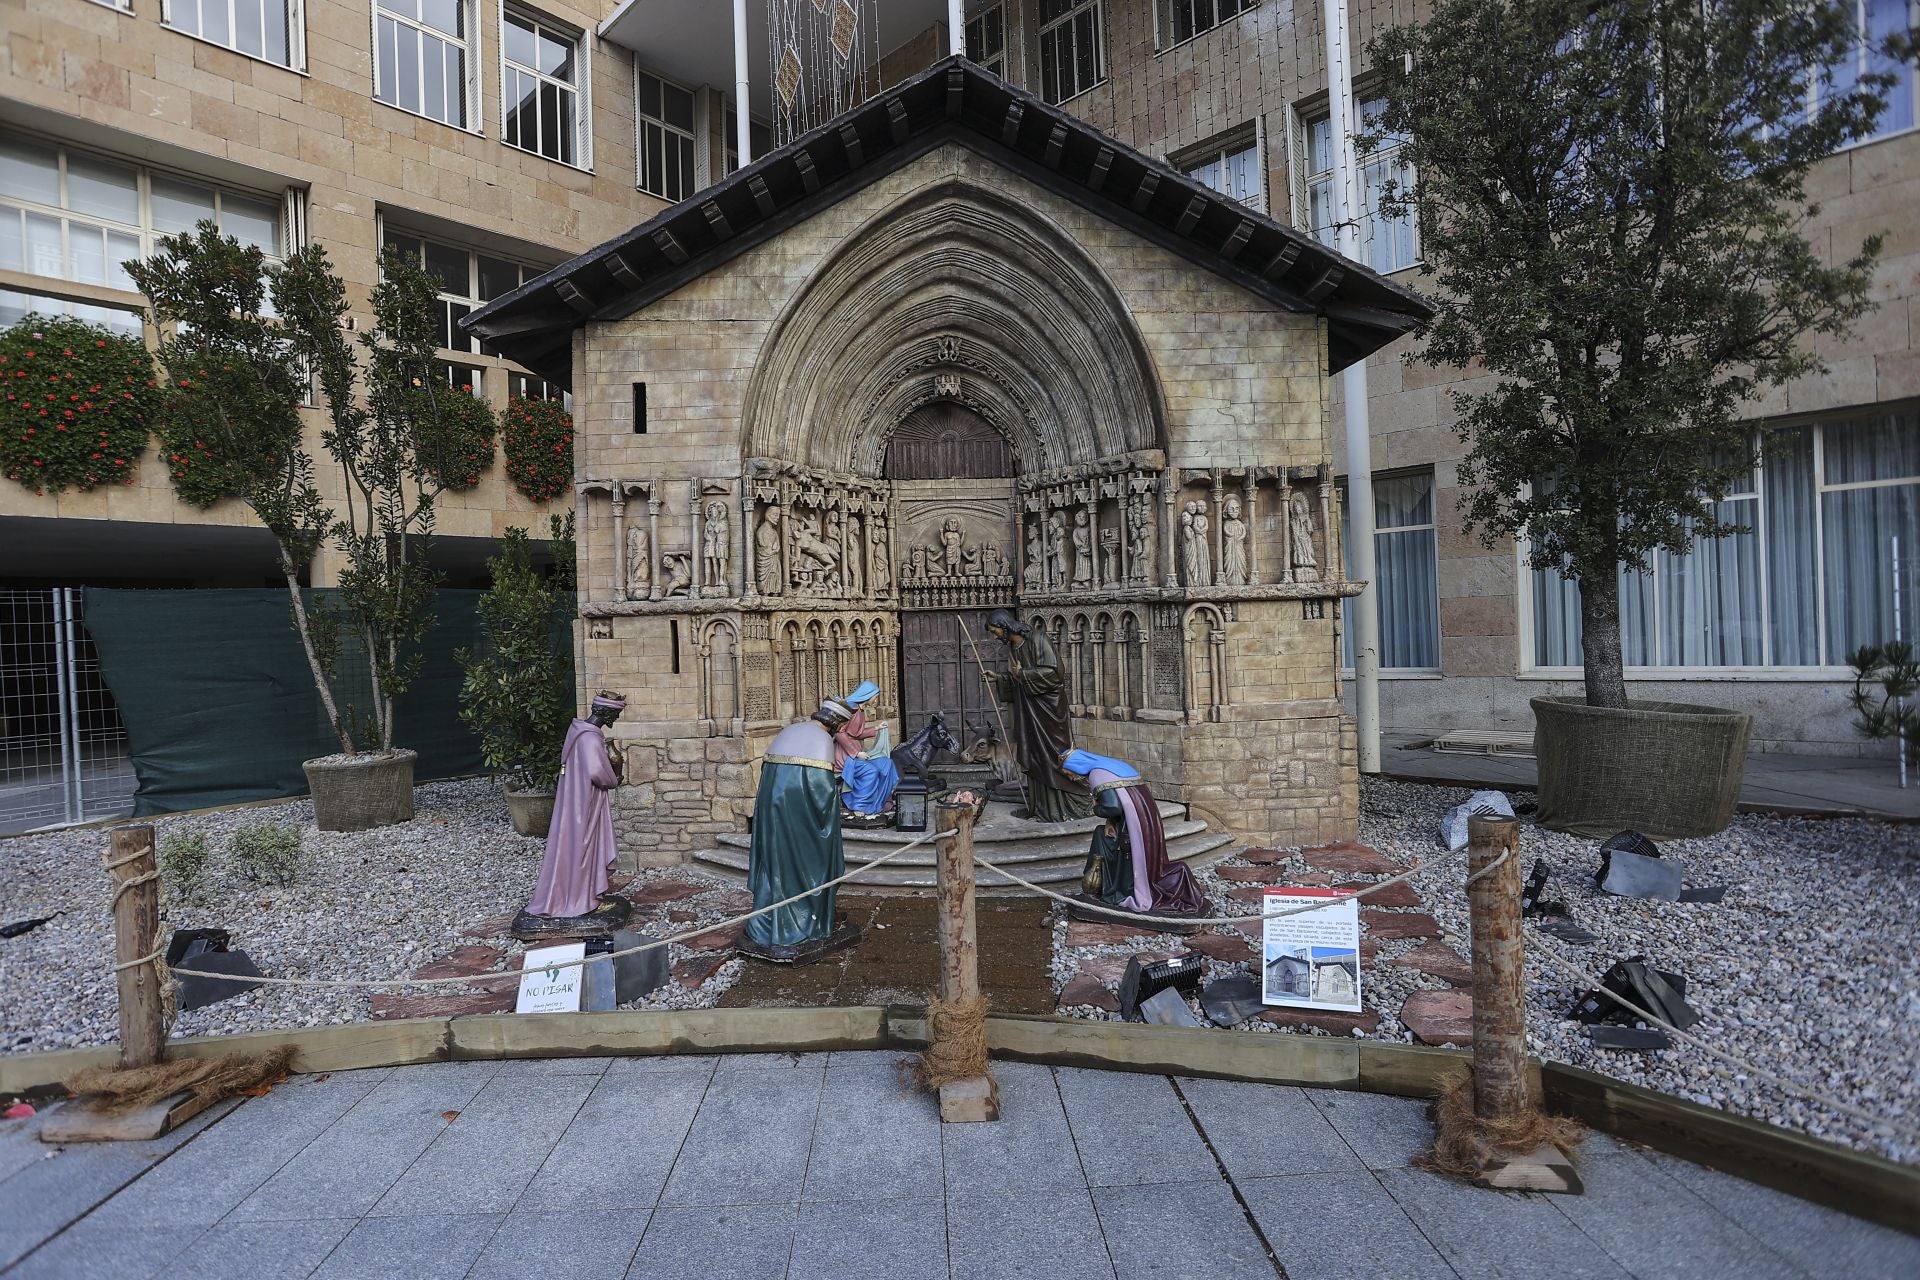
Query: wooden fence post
{"type": "Point", "coordinates": [136, 929]}
{"type": "Point", "coordinates": [1500, 1086]}
{"type": "Point", "coordinates": [960, 1035]}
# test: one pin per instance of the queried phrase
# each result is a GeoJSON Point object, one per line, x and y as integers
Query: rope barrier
{"type": "Point", "coordinates": [514, 976]}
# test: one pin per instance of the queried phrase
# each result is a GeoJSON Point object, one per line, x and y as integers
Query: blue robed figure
{"type": "Point", "coordinates": [866, 785]}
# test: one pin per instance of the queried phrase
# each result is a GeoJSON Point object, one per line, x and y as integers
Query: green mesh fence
{"type": "Point", "coordinates": [219, 704]}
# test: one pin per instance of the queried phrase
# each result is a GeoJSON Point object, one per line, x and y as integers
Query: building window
{"type": "Point", "coordinates": [1876, 20]}
{"type": "Point", "coordinates": [1182, 20]}
{"type": "Point", "coordinates": [467, 282]}
{"type": "Point", "coordinates": [258, 28]}
{"type": "Point", "coordinates": [1807, 581]}
{"type": "Point", "coordinates": [73, 217]}
{"type": "Point", "coordinates": [987, 39]}
{"type": "Point", "coordinates": [540, 78]}
{"type": "Point", "coordinates": [664, 138]}
{"type": "Point", "coordinates": [423, 57]}
{"type": "Point", "coordinates": [527, 386]}
{"type": "Point", "coordinates": [1386, 244]}
{"type": "Point", "coordinates": [1071, 58]}
{"type": "Point", "coordinates": [1230, 165]}
{"type": "Point", "coordinates": [1406, 573]}
{"type": "Point", "coordinates": [761, 140]}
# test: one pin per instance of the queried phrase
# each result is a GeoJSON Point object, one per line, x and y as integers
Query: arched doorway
{"type": "Point", "coordinates": [953, 495]}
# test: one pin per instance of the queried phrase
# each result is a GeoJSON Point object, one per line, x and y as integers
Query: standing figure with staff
{"type": "Point", "coordinates": [1034, 690]}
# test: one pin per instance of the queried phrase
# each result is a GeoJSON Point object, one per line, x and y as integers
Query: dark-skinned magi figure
{"type": "Point", "coordinates": [1036, 694]}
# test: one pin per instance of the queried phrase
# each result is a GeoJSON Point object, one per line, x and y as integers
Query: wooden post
{"type": "Point", "coordinates": [136, 928]}
{"type": "Point", "coordinates": [975, 1097]}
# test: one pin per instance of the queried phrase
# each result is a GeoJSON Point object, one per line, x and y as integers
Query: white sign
{"type": "Point", "coordinates": [546, 989]}
{"type": "Point", "coordinates": [1311, 960]}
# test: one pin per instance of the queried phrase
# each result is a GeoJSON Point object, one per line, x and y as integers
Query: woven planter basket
{"type": "Point", "coordinates": [357, 793]}
{"type": "Point", "coordinates": [531, 811]}
{"type": "Point", "coordinates": [1664, 769]}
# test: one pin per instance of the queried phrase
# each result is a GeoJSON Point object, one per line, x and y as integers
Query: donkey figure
{"type": "Point", "coordinates": [911, 757]}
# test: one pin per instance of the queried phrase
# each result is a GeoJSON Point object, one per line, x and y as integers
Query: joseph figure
{"type": "Point", "coordinates": [580, 842]}
{"type": "Point", "coordinates": [1035, 691]}
{"type": "Point", "coordinates": [796, 831]}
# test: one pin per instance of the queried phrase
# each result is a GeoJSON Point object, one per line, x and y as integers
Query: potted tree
{"type": "Point", "coordinates": [1611, 201]}
{"type": "Point", "coordinates": [518, 691]}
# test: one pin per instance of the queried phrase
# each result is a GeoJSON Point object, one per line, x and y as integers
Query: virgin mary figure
{"type": "Point", "coordinates": [867, 777]}
{"type": "Point", "coordinates": [1127, 864]}
{"type": "Point", "coordinates": [796, 831]}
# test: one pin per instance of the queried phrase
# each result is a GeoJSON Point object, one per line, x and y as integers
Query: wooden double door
{"type": "Point", "coordinates": [938, 672]}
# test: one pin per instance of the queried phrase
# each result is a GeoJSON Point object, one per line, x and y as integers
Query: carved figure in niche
{"type": "Point", "coordinates": [679, 569]}
{"type": "Point", "coordinates": [836, 538]}
{"type": "Point", "coordinates": [1082, 550]}
{"type": "Point", "coordinates": [970, 561]}
{"type": "Point", "coordinates": [639, 563]}
{"type": "Point", "coordinates": [1140, 534]}
{"type": "Point", "coordinates": [882, 575]}
{"type": "Point", "coordinates": [1306, 567]}
{"type": "Point", "coordinates": [1036, 555]}
{"type": "Point", "coordinates": [816, 563]}
{"type": "Point", "coordinates": [952, 547]}
{"type": "Point", "coordinates": [1056, 550]}
{"type": "Point", "coordinates": [1110, 555]}
{"type": "Point", "coordinates": [856, 557]}
{"type": "Point", "coordinates": [1233, 544]}
{"type": "Point", "coordinates": [715, 546]}
{"type": "Point", "coordinates": [1198, 561]}
{"type": "Point", "coordinates": [992, 563]}
{"type": "Point", "coordinates": [917, 563]}
{"type": "Point", "coordinates": [766, 554]}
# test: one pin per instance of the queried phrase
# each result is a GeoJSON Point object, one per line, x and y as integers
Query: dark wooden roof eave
{"type": "Point", "coordinates": [953, 101]}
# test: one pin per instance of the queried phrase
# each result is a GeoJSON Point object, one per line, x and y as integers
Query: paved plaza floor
{"type": "Point", "coordinates": [820, 1167]}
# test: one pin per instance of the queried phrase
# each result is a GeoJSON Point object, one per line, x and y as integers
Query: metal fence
{"type": "Point", "coordinates": [63, 749]}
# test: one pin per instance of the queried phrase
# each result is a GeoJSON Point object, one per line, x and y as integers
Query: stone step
{"type": "Point", "coordinates": [1197, 848]}
{"type": "Point", "coordinates": [998, 826]}
{"type": "Point", "coordinates": [1038, 848]}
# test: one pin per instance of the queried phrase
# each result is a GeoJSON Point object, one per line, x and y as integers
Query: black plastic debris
{"type": "Point", "coordinates": [636, 975]}
{"type": "Point", "coordinates": [1704, 893]}
{"type": "Point", "coordinates": [1635, 980]}
{"type": "Point", "coordinates": [1230, 1001]}
{"type": "Point", "coordinates": [1633, 875]}
{"type": "Point", "coordinates": [1531, 902]}
{"type": "Point", "coordinates": [18, 927]}
{"type": "Point", "coordinates": [1606, 1036]}
{"type": "Point", "coordinates": [1143, 981]}
{"type": "Point", "coordinates": [1628, 842]}
{"type": "Point", "coordinates": [206, 952]}
{"type": "Point", "coordinates": [1569, 931]}
{"type": "Point", "coordinates": [193, 942]}
{"type": "Point", "coordinates": [1168, 1008]}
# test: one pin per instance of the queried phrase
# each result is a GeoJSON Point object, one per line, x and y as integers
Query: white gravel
{"type": "Point", "coordinates": [369, 904]}
{"type": "Point", "coordinates": [1808, 969]}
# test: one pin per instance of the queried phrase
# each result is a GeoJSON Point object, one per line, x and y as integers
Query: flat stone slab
{"type": "Point", "coordinates": [1089, 933]}
{"type": "Point", "coordinates": [1253, 875]}
{"type": "Point", "coordinates": [694, 970]}
{"type": "Point", "coordinates": [1333, 1022]}
{"type": "Point", "coordinates": [1438, 960]}
{"type": "Point", "coordinates": [722, 939]}
{"type": "Point", "coordinates": [1394, 895]}
{"type": "Point", "coordinates": [1399, 924]}
{"type": "Point", "coordinates": [1265, 857]}
{"type": "Point", "coordinates": [1352, 858]}
{"type": "Point", "coordinates": [667, 891]}
{"type": "Point", "coordinates": [1222, 947]}
{"type": "Point", "coordinates": [460, 961]}
{"type": "Point", "coordinates": [1439, 1017]}
{"type": "Point", "coordinates": [494, 926]}
{"type": "Point", "coordinates": [1086, 990]}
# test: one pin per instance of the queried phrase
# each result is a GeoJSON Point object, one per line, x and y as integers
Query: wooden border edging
{"type": "Point", "coordinates": [1855, 1182]}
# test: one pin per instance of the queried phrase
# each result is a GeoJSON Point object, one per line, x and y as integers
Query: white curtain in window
{"type": "Point", "coordinates": [1862, 523]}
{"type": "Point", "coordinates": [1406, 574]}
{"type": "Point", "coordinates": [1793, 579]}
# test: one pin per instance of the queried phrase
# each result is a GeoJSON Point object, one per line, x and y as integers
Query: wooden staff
{"type": "Point", "coordinates": [997, 713]}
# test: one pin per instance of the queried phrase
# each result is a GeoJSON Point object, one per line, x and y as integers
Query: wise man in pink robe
{"type": "Point", "coordinates": [580, 843]}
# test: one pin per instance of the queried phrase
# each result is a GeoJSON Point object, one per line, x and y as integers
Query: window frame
{"type": "Point", "coordinates": [581, 89]}
{"type": "Point", "coordinates": [997, 64]}
{"type": "Point", "coordinates": [1301, 124]}
{"type": "Point", "coordinates": [1065, 21]}
{"type": "Point", "coordinates": [296, 31]}
{"type": "Point", "coordinates": [1163, 42]}
{"type": "Point", "coordinates": [1217, 149]}
{"type": "Point", "coordinates": [1913, 82]}
{"type": "Point", "coordinates": [473, 90]}
{"type": "Point", "coordinates": [691, 137]}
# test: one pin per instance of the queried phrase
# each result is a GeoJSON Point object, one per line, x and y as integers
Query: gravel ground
{"type": "Point", "coordinates": [1808, 969]}
{"type": "Point", "coordinates": [366, 904]}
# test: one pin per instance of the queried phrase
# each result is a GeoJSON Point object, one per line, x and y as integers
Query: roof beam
{"type": "Point", "coordinates": [669, 246]}
{"type": "Point", "coordinates": [573, 295]}
{"type": "Point", "coordinates": [1102, 165]}
{"type": "Point", "coordinates": [1325, 283]}
{"type": "Point", "coordinates": [1056, 145]}
{"type": "Point", "coordinates": [762, 197]}
{"type": "Point", "coordinates": [809, 173]}
{"type": "Point", "coordinates": [622, 270]}
{"type": "Point", "coordinates": [717, 220]}
{"type": "Point", "coordinates": [1144, 193]}
{"type": "Point", "coordinates": [850, 140]}
{"type": "Point", "coordinates": [1282, 261]}
{"type": "Point", "coordinates": [1190, 216]}
{"type": "Point", "coordinates": [956, 92]}
{"type": "Point", "coordinates": [1237, 240]}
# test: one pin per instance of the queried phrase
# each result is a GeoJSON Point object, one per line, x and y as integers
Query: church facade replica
{"type": "Point", "coordinates": [958, 351]}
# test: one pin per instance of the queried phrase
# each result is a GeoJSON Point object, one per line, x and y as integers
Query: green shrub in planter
{"type": "Point", "coordinates": [518, 692]}
{"type": "Point", "coordinates": [268, 852]}
{"type": "Point", "coordinates": [185, 859]}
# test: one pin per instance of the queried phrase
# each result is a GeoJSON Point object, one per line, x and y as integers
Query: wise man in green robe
{"type": "Point", "coordinates": [1035, 692]}
{"type": "Point", "coordinates": [796, 831]}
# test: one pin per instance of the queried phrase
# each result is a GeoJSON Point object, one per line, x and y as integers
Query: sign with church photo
{"type": "Point", "coordinates": [1310, 959]}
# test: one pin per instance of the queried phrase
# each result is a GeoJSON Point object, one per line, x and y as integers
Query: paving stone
{"type": "Point", "coordinates": [1394, 895]}
{"type": "Point", "coordinates": [1499, 1235]}
{"type": "Point", "coordinates": [870, 1239]}
{"type": "Point", "coordinates": [1030, 1235]}
{"type": "Point", "coordinates": [1252, 875]}
{"type": "Point", "coordinates": [1352, 858]}
{"type": "Point", "coordinates": [484, 1158]}
{"type": "Point", "coordinates": [1030, 1148]}
{"type": "Point", "coordinates": [1192, 1230]}
{"type": "Point", "coordinates": [1438, 960]}
{"type": "Point", "coordinates": [522, 1067]}
{"type": "Point", "coordinates": [471, 958]}
{"type": "Point", "coordinates": [701, 1064]}
{"type": "Point", "coordinates": [634, 1123]}
{"type": "Point", "coordinates": [1383, 925]}
{"type": "Point", "coordinates": [88, 1252]}
{"type": "Point", "coordinates": [1334, 1226]}
{"type": "Point", "coordinates": [593, 1244]}
{"type": "Point", "coordinates": [660, 891]}
{"type": "Point", "coordinates": [1131, 1128]}
{"type": "Point", "coordinates": [733, 902]}
{"type": "Point", "coordinates": [1086, 989]}
{"type": "Point", "coordinates": [873, 1134]}
{"type": "Point", "coordinates": [1649, 1224]}
{"type": "Point", "coordinates": [1222, 947]}
{"type": "Point", "coordinates": [778, 1060]}
{"type": "Point", "coordinates": [45, 1196]}
{"type": "Point", "coordinates": [705, 1242]}
{"type": "Point", "coordinates": [1260, 1130]}
{"type": "Point", "coordinates": [694, 970]}
{"type": "Point", "coordinates": [1440, 1017]}
{"type": "Point", "coordinates": [410, 1248]}
{"type": "Point", "coordinates": [261, 1250]}
{"type": "Point", "coordinates": [1384, 1131]}
{"type": "Point", "coordinates": [1093, 933]}
{"type": "Point", "coordinates": [1331, 1021]}
{"type": "Point", "coordinates": [749, 1142]}
{"type": "Point", "coordinates": [1265, 857]}
{"type": "Point", "coordinates": [494, 926]}
{"type": "Point", "coordinates": [716, 939]}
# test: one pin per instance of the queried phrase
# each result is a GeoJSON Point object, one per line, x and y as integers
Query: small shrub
{"type": "Point", "coordinates": [269, 852]}
{"type": "Point", "coordinates": [78, 404]}
{"type": "Point", "coordinates": [456, 435]}
{"type": "Point", "coordinates": [184, 861]}
{"type": "Point", "coordinates": [538, 442]}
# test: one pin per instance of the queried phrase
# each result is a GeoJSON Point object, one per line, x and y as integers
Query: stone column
{"type": "Point", "coordinates": [620, 540]}
{"type": "Point", "coordinates": [1092, 503]}
{"type": "Point", "coordinates": [1286, 528]}
{"type": "Point", "coordinates": [1219, 530]}
{"type": "Point", "coordinates": [1169, 517]}
{"type": "Point", "coordinates": [653, 542]}
{"type": "Point", "coordinates": [1252, 516]}
{"type": "Point", "coordinates": [749, 574]}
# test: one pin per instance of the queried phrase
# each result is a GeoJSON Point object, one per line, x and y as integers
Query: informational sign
{"type": "Point", "coordinates": [1310, 959]}
{"type": "Point", "coordinates": [547, 989]}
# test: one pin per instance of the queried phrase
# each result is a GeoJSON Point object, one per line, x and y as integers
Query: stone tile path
{"type": "Point", "coordinates": [817, 1165]}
